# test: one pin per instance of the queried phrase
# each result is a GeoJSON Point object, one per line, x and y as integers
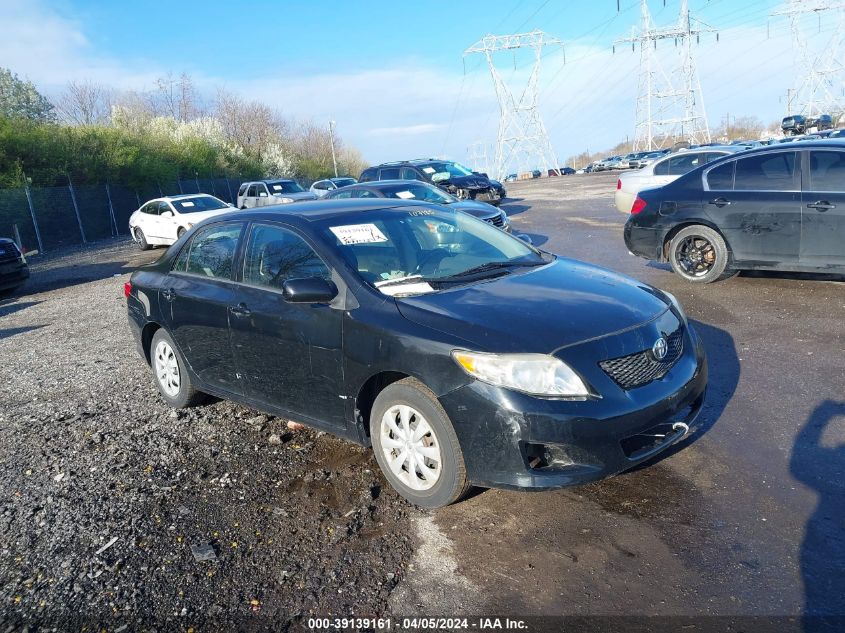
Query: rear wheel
{"type": "Point", "coordinates": [699, 254]}
{"type": "Point", "coordinates": [142, 240]}
{"type": "Point", "coordinates": [170, 374]}
{"type": "Point", "coordinates": [416, 446]}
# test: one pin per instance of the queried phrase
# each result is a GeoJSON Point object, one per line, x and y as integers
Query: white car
{"type": "Point", "coordinates": [664, 171]}
{"type": "Point", "coordinates": [322, 187]}
{"type": "Point", "coordinates": [163, 221]}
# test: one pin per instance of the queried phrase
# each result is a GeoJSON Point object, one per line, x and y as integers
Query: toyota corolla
{"type": "Point", "coordinates": [461, 354]}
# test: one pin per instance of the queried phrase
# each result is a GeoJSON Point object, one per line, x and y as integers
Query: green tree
{"type": "Point", "coordinates": [19, 99]}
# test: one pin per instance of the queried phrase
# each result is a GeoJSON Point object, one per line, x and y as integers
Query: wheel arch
{"type": "Point", "coordinates": [147, 335]}
{"type": "Point", "coordinates": [687, 223]}
{"type": "Point", "coordinates": [369, 391]}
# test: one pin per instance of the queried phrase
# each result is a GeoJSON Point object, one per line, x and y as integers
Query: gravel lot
{"type": "Point", "coordinates": [105, 490]}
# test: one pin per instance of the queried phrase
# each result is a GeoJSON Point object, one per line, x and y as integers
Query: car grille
{"type": "Point", "coordinates": [486, 195]}
{"type": "Point", "coordinates": [637, 370]}
{"type": "Point", "coordinates": [498, 221]}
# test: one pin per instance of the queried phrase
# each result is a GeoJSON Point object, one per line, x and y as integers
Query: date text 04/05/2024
{"type": "Point", "coordinates": [420, 623]}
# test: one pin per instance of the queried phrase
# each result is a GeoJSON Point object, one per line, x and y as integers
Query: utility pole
{"type": "Point", "coordinates": [331, 140]}
{"type": "Point", "coordinates": [820, 74]}
{"type": "Point", "coordinates": [522, 141]}
{"type": "Point", "coordinates": [670, 106]}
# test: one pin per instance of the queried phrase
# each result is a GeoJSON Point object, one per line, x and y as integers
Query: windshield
{"type": "Point", "coordinates": [198, 204]}
{"type": "Point", "coordinates": [443, 170]}
{"type": "Point", "coordinates": [284, 186]}
{"type": "Point", "coordinates": [418, 191]}
{"type": "Point", "coordinates": [417, 249]}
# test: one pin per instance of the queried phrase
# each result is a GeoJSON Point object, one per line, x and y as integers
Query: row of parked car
{"type": "Point", "coordinates": [164, 220]}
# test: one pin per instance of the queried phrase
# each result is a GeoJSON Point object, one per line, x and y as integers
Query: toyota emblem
{"type": "Point", "coordinates": [660, 348]}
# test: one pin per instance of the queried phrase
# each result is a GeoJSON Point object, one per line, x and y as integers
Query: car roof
{"type": "Point", "coordinates": [180, 196]}
{"type": "Point", "coordinates": [318, 210]}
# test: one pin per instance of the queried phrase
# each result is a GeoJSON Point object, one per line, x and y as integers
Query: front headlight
{"type": "Point", "coordinates": [535, 374]}
{"type": "Point", "coordinates": [679, 309]}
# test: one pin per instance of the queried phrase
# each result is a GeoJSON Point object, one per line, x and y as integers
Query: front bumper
{"type": "Point", "coordinates": [512, 440]}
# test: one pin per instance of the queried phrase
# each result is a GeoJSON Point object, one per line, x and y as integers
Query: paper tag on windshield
{"type": "Point", "coordinates": [187, 203]}
{"type": "Point", "coordinates": [358, 234]}
{"type": "Point", "coordinates": [277, 187]}
{"type": "Point", "coordinates": [407, 289]}
{"type": "Point", "coordinates": [428, 170]}
{"type": "Point", "coordinates": [405, 195]}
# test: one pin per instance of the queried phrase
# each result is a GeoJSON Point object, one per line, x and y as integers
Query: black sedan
{"type": "Point", "coordinates": [490, 363]}
{"type": "Point", "coordinates": [780, 207]}
{"type": "Point", "coordinates": [14, 270]}
{"type": "Point", "coordinates": [423, 192]}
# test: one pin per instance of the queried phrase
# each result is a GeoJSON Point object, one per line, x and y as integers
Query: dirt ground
{"type": "Point", "coordinates": [118, 512]}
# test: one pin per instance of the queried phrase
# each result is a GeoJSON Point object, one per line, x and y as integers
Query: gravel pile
{"type": "Point", "coordinates": [119, 512]}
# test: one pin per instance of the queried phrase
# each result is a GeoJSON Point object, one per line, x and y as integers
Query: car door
{"type": "Point", "coordinates": [167, 220]}
{"type": "Point", "coordinates": [756, 203]}
{"type": "Point", "coordinates": [289, 354]}
{"type": "Point", "coordinates": [196, 297]}
{"type": "Point", "coordinates": [251, 197]}
{"type": "Point", "coordinates": [150, 222]}
{"type": "Point", "coordinates": [823, 209]}
{"type": "Point", "coordinates": [264, 199]}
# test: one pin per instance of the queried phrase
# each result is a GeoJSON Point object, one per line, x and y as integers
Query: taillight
{"type": "Point", "coordinates": [638, 206]}
{"type": "Point", "coordinates": [127, 289]}
{"type": "Point", "coordinates": [618, 183]}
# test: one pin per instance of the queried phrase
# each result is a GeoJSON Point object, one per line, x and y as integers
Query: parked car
{"type": "Point", "coordinates": [645, 159]}
{"type": "Point", "coordinates": [794, 124]}
{"type": "Point", "coordinates": [836, 134]}
{"type": "Point", "coordinates": [424, 192]}
{"type": "Point", "coordinates": [510, 178]}
{"type": "Point", "coordinates": [496, 365]}
{"type": "Point", "coordinates": [663, 171]}
{"type": "Point", "coordinates": [14, 271]}
{"type": "Point", "coordinates": [563, 171]}
{"type": "Point", "coordinates": [162, 221]}
{"type": "Point", "coordinates": [777, 208]}
{"type": "Point", "coordinates": [450, 176]}
{"type": "Point", "coordinates": [322, 187]}
{"type": "Point", "coordinates": [821, 122]}
{"type": "Point", "coordinates": [262, 193]}
{"type": "Point", "coordinates": [605, 163]}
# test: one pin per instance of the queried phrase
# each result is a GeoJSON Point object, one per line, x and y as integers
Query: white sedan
{"type": "Point", "coordinates": [664, 171]}
{"type": "Point", "coordinates": [322, 187]}
{"type": "Point", "coordinates": [163, 221]}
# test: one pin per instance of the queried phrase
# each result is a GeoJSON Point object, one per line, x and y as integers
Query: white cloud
{"type": "Point", "coordinates": [408, 130]}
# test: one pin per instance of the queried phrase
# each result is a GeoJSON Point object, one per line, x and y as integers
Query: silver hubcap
{"type": "Point", "coordinates": [410, 447]}
{"type": "Point", "coordinates": [167, 369]}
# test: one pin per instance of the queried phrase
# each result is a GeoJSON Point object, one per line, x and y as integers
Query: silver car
{"type": "Point", "coordinates": [263, 193]}
{"type": "Point", "coordinates": [322, 187]}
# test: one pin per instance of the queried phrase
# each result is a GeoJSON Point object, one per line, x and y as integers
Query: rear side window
{"type": "Point", "coordinates": [766, 172]}
{"type": "Point", "coordinates": [389, 173]}
{"type": "Point", "coordinates": [721, 178]}
{"type": "Point", "coordinates": [662, 168]}
{"type": "Point", "coordinates": [274, 255]}
{"type": "Point", "coordinates": [827, 171]}
{"type": "Point", "coordinates": [682, 163]}
{"type": "Point", "coordinates": [212, 251]}
{"type": "Point", "coordinates": [410, 174]}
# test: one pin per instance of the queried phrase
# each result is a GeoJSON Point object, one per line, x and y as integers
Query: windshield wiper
{"type": "Point", "coordinates": [412, 279]}
{"type": "Point", "coordinates": [483, 268]}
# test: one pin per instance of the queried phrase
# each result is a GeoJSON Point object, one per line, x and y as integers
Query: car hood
{"type": "Point", "coordinates": [538, 310]}
{"type": "Point", "coordinates": [468, 182]}
{"type": "Point", "coordinates": [478, 209]}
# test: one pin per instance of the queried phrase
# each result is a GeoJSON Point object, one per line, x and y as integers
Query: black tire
{"type": "Point", "coordinates": [451, 484]}
{"type": "Point", "coordinates": [186, 396]}
{"type": "Point", "coordinates": [699, 254]}
{"type": "Point", "coordinates": [180, 232]}
{"type": "Point", "coordinates": [142, 240]}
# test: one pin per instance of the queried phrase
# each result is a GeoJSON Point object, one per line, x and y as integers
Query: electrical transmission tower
{"type": "Point", "coordinates": [478, 158]}
{"type": "Point", "coordinates": [670, 107]}
{"type": "Point", "coordinates": [818, 87]}
{"type": "Point", "coordinates": [522, 141]}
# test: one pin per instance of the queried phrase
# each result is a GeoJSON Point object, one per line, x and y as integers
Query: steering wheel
{"type": "Point", "coordinates": [433, 257]}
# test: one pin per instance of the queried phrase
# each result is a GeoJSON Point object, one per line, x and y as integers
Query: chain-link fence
{"type": "Point", "coordinates": [46, 218]}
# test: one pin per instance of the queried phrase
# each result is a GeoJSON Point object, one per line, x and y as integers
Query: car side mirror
{"type": "Point", "coordinates": [309, 290]}
{"type": "Point", "coordinates": [229, 204]}
{"type": "Point", "coordinates": [167, 214]}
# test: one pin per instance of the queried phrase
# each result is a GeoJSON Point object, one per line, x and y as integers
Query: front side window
{"type": "Point", "coordinates": [389, 173]}
{"type": "Point", "coordinates": [151, 208]}
{"type": "Point", "coordinates": [252, 192]}
{"type": "Point", "coordinates": [242, 189]}
{"type": "Point", "coordinates": [410, 174]}
{"type": "Point", "coordinates": [212, 251]}
{"type": "Point", "coordinates": [766, 172]}
{"type": "Point", "coordinates": [274, 255]}
{"type": "Point", "coordinates": [827, 171]}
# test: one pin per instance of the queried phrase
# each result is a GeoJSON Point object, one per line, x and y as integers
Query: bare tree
{"type": "Point", "coordinates": [85, 103]}
{"type": "Point", "coordinates": [250, 125]}
{"type": "Point", "coordinates": [175, 97]}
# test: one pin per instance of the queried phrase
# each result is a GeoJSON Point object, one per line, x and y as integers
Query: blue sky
{"type": "Point", "coordinates": [391, 73]}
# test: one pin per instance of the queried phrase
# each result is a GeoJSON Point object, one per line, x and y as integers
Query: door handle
{"type": "Point", "coordinates": [821, 205]}
{"type": "Point", "coordinates": [240, 310]}
{"type": "Point", "coordinates": [720, 202]}
{"type": "Point", "coordinates": [168, 294]}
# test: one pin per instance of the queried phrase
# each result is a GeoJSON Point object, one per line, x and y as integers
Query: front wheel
{"type": "Point", "coordinates": [416, 446]}
{"type": "Point", "coordinates": [180, 232]}
{"type": "Point", "coordinates": [699, 254]}
{"type": "Point", "coordinates": [142, 240]}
